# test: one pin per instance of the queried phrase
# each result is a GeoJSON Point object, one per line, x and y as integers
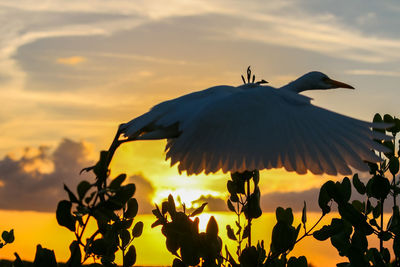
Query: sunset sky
{"type": "Point", "coordinates": [72, 71]}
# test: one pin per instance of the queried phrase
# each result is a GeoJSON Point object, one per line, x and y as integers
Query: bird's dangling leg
{"type": "Point", "coordinates": [110, 153]}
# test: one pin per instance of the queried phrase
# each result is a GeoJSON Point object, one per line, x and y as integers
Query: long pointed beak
{"type": "Point", "coordinates": [338, 84]}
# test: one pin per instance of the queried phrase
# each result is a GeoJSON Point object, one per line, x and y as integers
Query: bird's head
{"type": "Point", "coordinates": [317, 80]}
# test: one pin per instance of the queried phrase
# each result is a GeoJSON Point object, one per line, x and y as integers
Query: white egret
{"type": "Point", "coordinates": [255, 127]}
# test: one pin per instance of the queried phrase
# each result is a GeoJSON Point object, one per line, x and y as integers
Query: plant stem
{"type": "Point", "coordinates": [394, 176]}
{"type": "Point", "coordinates": [381, 231]}
{"type": "Point", "coordinates": [239, 237]}
{"type": "Point", "coordinates": [248, 220]}
{"type": "Point", "coordinates": [308, 232]}
{"type": "Point", "coordinates": [394, 191]}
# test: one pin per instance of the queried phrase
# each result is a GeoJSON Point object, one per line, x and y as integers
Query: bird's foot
{"type": "Point", "coordinates": [253, 78]}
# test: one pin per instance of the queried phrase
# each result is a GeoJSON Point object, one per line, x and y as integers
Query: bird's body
{"type": "Point", "coordinates": [257, 127]}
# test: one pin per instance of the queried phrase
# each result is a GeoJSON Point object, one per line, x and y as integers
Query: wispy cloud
{"type": "Point", "coordinates": [321, 34]}
{"type": "Point", "coordinates": [370, 72]}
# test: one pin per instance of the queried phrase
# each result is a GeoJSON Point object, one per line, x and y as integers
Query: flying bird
{"type": "Point", "coordinates": [255, 127]}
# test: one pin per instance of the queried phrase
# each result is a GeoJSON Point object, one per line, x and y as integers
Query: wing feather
{"type": "Point", "coordinates": [260, 128]}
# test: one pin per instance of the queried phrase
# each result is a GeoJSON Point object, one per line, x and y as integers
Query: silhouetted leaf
{"type": "Point", "coordinates": [76, 256]}
{"type": "Point", "coordinates": [368, 209]}
{"type": "Point", "coordinates": [249, 257]}
{"type": "Point", "coordinates": [198, 210]}
{"type": "Point", "coordinates": [44, 257]}
{"type": "Point", "coordinates": [297, 262]}
{"type": "Point", "coordinates": [358, 205]}
{"type": "Point", "coordinates": [357, 219]}
{"type": "Point", "coordinates": [156, 223]}
{"type": "Point", "coordinates": [64, 216]}
{"type": "Point", "coordinates": [231, 187]}
{"type": "Point", "coordinates": [358, 185]}
{"type": "Point", "coordinates": [212, 227]}
{"type": "Point", "coordinates": [324, 197]}
{"type": "Point", "coordinates": [252, 208]}
{"type": "Point", "coordinates": [164, 207]}
{"type": "Point", "coordinates": [230, 206]}
{"type": "Point", "coordinates": [394, 165]}
{"type": "Point", "coordinates": [130, 257]}
{"type": "Point", "coordinates": [284, 215]}
{"type": "Point", "coordinates": [90, 197]}
{"type": "Point", "coordinates": [323, 233]}
{"type": "Point", "coordinates": [171, 205]}
{"type": "Point", "coordinates": [345, 189]}
{"type": "Point", "coordinates": [82, 189]}
{"type": "Point", "coordinates": [121, 197]}
{"type": "Point", "coordinates": [189, 254]}
{"type": "Point", "coordinates": [387, 118]}
{"type": "Point", "coordinates": [234, 198]}
{"type": "Point", "coordinates": [137, 229]}
{"type": "Point", "coordinates": [230, 233]}
{"type": "Point", "coordinates": [378, 118]}
{"type": "Point", "coordinates": [8, 237]}
{"type": "Point", "coordinates": [304, 213]}
{"type": "Point", "coordinates": [126, 224]}
{"type": "Point", "coordinates": [378, 187]}
{"type": "Point", "coordinates": [377, 211]}
{"type": "Point", "coordinates": [117, 182]}
{"type": "Point", "coordinates": [71, 195]}
{"type": "Point", "coordinates": [337, 226]}
{"type": "Point", "coordinates": [385, 235]}
{"type": "Point", "coordinates": [132, 209]}
{"type": "Point", "coordinates": [394, 221]}
{"type": "Point", "coordinates": [125, 237]}
{"type": "Point", "coordinates": [341, 243]}
{"type": "Point", "coordinates": [373, 167]}
{"type": "Point", "coordinates": [396, 245]}
{"type": "Point", "coordinates": [359, 240]}
{"type": "Point", "coordinates": [246, 231]}
{"type": "Point", "coordinates": [172, 245]}
{"type": "Point", "coordinates": [283, 237]}
{"type": "Point", "coordinates": [99, 247]}
{"type": "Point", "coordinates": [374, 223]}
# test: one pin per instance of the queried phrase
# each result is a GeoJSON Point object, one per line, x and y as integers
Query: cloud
{"type": "Point", "coordinates": [144, 193]}
{"type": "Point", "coordinates": [213, 203]}
{"type": "Point", "coordinates": [294, 200]}
{"type": "Point", "coordinates": [35, 180]}
{"type": "Point", "coordinates": [321, 34]}
{"type": "Point", "coordinates": [371, 72]}
{"type": "Point", "coordinates": [74, 60]}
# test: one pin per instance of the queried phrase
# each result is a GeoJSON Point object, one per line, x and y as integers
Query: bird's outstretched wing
{"type": "Point", "coordinates": [178, 111]}
{"type": "Point", "coordinates": [264, 128]}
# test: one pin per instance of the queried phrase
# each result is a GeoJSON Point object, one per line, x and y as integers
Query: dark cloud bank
{"type": "Point", "coordinates": [24, 188]}
{"type": "Point", "coordinates": [33, 190]}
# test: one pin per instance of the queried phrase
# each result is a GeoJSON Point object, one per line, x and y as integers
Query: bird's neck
{"type": "Point", "coordinates": [296, 86]}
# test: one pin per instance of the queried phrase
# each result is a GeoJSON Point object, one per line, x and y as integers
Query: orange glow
{"type": "Point", "coordinates": [71, 60]}
{"type": "Point", "coordinates": [32, 228]}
